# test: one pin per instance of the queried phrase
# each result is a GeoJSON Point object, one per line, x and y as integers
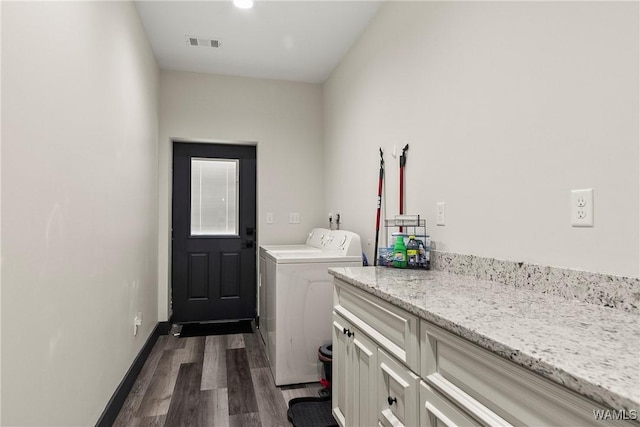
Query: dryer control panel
{"type": "Point", "coordinates": [317, 237]}
{"type": "Point", "coordinates": [344, 242]}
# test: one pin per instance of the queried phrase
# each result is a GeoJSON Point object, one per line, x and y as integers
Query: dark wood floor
{"type": "Point", "coordinates": [218, 380]}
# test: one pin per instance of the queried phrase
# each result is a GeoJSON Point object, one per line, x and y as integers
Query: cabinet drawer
{"type": "Point", "coordinates": [397, 393]}
{"type": "Point", "coordinates": [395, 330]}
{"type": "Point", "coordinates": [436, 411]}
{"type": "Point", "coordinates": [452, 365]}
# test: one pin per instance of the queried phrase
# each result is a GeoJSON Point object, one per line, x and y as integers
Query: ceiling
{"type": "Point", "coordinates": [286, 40]}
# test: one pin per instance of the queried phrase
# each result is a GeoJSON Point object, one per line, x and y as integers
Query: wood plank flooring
{"type": "Point", "coordinates": [218, 380]}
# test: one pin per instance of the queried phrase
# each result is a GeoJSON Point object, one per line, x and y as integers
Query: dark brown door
{"type": "Point", "coordinates": [214, 229]}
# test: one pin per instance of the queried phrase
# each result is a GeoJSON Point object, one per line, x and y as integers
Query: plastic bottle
{"type": "Point", "coordinates": [400, 253]}
{"type": "Point", "coordinates": [424, 252]}
{"type": "Point", "coordinates": [413, 252]}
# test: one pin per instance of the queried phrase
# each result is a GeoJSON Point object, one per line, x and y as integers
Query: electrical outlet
{"type": "Point", "coordinates": [441, 218]}
{"type": "Point", "coordinates": [582, 208]}
{"type": "Point", "coordinates": [269, 217]}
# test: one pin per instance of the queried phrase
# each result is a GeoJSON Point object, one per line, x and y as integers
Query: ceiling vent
{"type": "Point", "coordinates": [202, 41]}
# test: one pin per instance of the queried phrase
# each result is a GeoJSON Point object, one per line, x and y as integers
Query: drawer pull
{"type": "Point", "coordinates": [391, 400]}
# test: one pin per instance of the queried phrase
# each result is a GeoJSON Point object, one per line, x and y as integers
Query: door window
{"type": "Point", "coordinates": [214, 197]}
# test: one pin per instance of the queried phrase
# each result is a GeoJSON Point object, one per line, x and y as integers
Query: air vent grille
{"type": "Point", "coordinates": [202, 42]}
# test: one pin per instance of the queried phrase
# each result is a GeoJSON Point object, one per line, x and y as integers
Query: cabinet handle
{"type": "Point", "coordinates": [391, 400]}
{"type": "Point", "coordinates": [345, 331]}
{"type": "Point", "coordinates": [350, 334]}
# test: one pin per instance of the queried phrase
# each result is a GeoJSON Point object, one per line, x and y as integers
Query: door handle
{"type": "Point", "coordinates": [248, 244]}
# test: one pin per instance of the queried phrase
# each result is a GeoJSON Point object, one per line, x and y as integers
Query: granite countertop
{"type": "Point", "coordinates": [590, 349]}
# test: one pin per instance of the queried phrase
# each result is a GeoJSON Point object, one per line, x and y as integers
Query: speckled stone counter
{"type": "Point", "coordinates": [590, 349]}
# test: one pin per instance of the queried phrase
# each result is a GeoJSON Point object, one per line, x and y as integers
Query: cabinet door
{"type": "Point", "coordinates": [364, 355]}
{"type": "Point", "coordinates": [436, 411]}
{"type": "Point", "coordinates": [341, 358]}
{"type": "Point", "coordinates": [397, 393]}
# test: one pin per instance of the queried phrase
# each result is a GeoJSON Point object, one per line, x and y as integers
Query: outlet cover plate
{"type": "Point", "coordinates": [582, 208]}
{"type": "Point", "coordinates": [294, 217]}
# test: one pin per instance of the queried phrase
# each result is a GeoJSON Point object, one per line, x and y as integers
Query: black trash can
{"type": "Point", "coordinates": [324, 355]}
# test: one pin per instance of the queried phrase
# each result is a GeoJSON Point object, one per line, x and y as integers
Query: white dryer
{"type": "Point", "coordinates": [298, 303]}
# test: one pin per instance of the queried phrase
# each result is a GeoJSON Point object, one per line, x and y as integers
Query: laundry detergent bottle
{"type": "Point", "coordinates": [413, 252]}
{"type": "Point", "coordinates": [400, 253]}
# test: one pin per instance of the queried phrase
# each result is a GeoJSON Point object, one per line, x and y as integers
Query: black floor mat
{"type": "Point", "coordinates": [311, 412]}
{"type": "Point", "coordinates": [204, 329]}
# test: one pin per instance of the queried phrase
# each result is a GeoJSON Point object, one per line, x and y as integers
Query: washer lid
{"type": "Point", "coordinates": [288, 249]}
{"type": "Point", "coordinates": [312, 257]}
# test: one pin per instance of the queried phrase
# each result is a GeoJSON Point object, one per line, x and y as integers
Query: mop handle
{"type": "Point", "coordinates": [380, 179]}
{"type": "Point", "coordinates": [403, 162]}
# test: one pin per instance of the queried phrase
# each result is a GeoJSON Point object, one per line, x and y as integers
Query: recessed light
{"type": "Point", "coordinates": [243, 4]}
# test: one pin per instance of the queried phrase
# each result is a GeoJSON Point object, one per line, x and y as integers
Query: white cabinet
{"type": "Point", "coordinates": [353, 376]}
{"type": "Point", "coordinates": [397, 393]}
{"type": "Point", "coordinates": [391, 327]}
{"type": "Point", "coordinates": [495, 391]}
{"type": "Point", "coordinates": [375, 357]}
{"type": "Point", "coordinates": [340, 367]}
{"type": "Point", "coordinates": [392, 369]}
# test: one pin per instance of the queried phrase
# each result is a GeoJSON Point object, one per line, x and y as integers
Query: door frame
{"type": "Point", "coordinates": [165, 211]}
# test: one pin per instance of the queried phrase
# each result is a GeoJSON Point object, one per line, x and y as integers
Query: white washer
{"type": "Point", "coordinates": [314, 244]}
{"type": "Point", "coordinates": [298, 304]}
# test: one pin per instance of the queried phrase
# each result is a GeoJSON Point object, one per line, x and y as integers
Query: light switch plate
{"type": "Point", "coordinates": [269, 217]}
{"type": "Point", "coordinates": [294, 217]}
{"type": "Point", "coordinates": [441, 213]}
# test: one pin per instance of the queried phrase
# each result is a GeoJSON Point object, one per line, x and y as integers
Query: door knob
{"type": "Point", "coordinates": [391, 400]}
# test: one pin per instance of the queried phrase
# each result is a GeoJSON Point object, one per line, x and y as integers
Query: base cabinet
{"type": "Point", "coordinates": [382, 377]}
{"type": "Point", "coordinates": [353, 376]}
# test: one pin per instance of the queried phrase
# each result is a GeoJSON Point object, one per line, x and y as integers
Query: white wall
{"type": "Point", "coordinates": [79, 206]}
{"type": "Point", "coordinates": [507, 106]}
{"type": "Point", "coordinates": [283, 118]}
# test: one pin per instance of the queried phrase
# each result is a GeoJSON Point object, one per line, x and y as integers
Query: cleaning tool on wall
{"type": "Point", "coordinates": [403, 162]}
{"type": "Point", "coordinates": [380, 179]}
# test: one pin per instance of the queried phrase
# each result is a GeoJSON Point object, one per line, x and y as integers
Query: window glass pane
{"type": "Point", "coordinates": [214, 196]}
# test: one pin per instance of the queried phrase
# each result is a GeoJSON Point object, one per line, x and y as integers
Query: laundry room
{"type": "Point", "coordinates": [167, 163]}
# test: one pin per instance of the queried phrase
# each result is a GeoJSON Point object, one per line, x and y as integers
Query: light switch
{"type": "Point", "coordinates": [294, 217]}
{"type": "Point", "coordinates": [441, 217]}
